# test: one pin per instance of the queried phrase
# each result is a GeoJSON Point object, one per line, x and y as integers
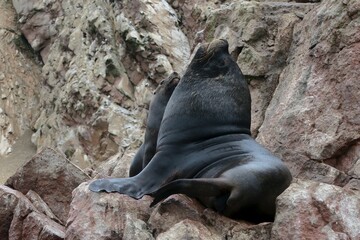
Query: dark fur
{"type": "Point", "coordinates": [158, 103]}
{"type": "Point", "coordinates": [204, 148]}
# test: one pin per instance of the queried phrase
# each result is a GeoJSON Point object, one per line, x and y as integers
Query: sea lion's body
{"type": "Point", "coordinates": [205, 134]}
{"type": "Point", "coordinates": [157, 106]}
{"type": "Point", "coordinates": [244, 182]}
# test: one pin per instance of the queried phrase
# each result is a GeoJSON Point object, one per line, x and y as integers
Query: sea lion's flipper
{"type": "Point", "coordinates": [192, 188]}
{"type": "Point", "coordinates": [121, 185]}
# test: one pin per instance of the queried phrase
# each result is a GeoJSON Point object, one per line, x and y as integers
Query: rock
{"type": "Point", "coordinates": [173, 210]}
{"type": "Point", "coordinates": [321, 172]}
{"type": "Point", "coordinates": [313, 105]}
{"type": "Point", "coordinates": [9, 198]}
{"type": "Point", "coordinates": [28, 223]}
{"type": "Point", "coordinates": [188, 229]}
{"type": "Point", "coordinates": [317, 211]}
{"type": "Point", "coordinates": [41, 206]}
{"type": "Point", "coordinates": [20, 219]}
{"type": "Point", "coordinates": [113, 216]}
{"type": "Point", "coordinates": [222, 225]}
{"type": "Point", "coordinates": [106, 216]}
{"type": "Point", "coordinates": [178, 208]}
{"type": "Point", "coordinates": [261, 231]}
{"type": "Point", "coordinates": [93, 64]}
{"type": "Point", "coordinates": [52, 177]}
{"type": "Point", "coordinates": [136, 229]}
{"type": "Point", "coordinates": [118, 165]}
{"type": "Point", "coordinates": [38, 22]}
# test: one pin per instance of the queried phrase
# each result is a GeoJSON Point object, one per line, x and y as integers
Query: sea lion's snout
{"type": "Point", "coordinates": [207, 50]}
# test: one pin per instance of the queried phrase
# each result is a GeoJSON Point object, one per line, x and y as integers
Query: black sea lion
{"type": "Point", "coordinates": [158, 103]}
{"type": "Point", "coordinates": [204, 134]}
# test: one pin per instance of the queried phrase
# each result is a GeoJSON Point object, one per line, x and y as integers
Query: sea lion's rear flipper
{"type": "Point", "coordinates": [197, 187]}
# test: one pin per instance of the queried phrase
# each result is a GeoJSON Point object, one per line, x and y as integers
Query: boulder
{"type": "Point", "coordinates": [52, 177]}
{"type": "Point", "coordinates": [260, 34]}
{"type": "Point", "coordinates": [113, 216]}
{"type": "Point", "coordinates": [106, 216]}
{"type": "Point", "coordinates": [28, 224]}
{"type": "Point", "coordinates": [21, 219]}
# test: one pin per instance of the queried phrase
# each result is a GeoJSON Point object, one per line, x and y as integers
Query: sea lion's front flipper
{"type": "Point", "coordinates": [121, 185]}
{"type": "Point", "coordinates": [197, 187]}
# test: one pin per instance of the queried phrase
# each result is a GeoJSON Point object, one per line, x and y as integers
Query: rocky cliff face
{"type": "Point", "coordinates": [80, 75]}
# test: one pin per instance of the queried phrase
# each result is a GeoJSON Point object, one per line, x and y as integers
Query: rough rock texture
{"type": "Point", "coordinates": [29, 223]}
{"type": "Point", "coordinates": [21, 219]}
{"type": "Point", "coordinates": [52, 177]}
{"type": "Point", "coordinates": [305, 210]}
{"type": "Point", "coordinates": [81, 76]}
{"type": "Point", "coordinates": [95, 55]}
{"type": "Point", "coordinates": [315, 105]}
{"type": "Point", "coordinates": [311, 210]}
{"type": "Point", "coordinates": [117, 216]}
{"type": "Point", "coordinates": [106, 216]}
{"type": "Point", "coordinates": [20, 76]}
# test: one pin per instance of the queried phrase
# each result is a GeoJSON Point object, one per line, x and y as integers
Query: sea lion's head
{"type": "Point", "coordinates": [168, 85]}
{"type": "Point", "coordinates": [213, 59]}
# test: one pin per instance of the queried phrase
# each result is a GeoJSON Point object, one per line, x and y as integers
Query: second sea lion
{"type": "Point", "coordinates": [158, 103]}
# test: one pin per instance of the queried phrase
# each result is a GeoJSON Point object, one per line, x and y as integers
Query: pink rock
{"type": "Point", "coordinates": [52, 177]}
{"type": "Point", "coordinates": [310, 210]}
{"type": "Point", "coordinates": [29, 224]}
{"type": "Point", "coordinates": [104, 215]}
{"type": "Point", "coordinates": [41, 206]}
{"type": "Point", "coordinates": [314, 114]}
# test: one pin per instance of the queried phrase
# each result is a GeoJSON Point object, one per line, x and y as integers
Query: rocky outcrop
{"type": "Point", "coordinates": [80, 76]}
{"type": "Point", "coordinates": [20, 78]}
{"type": "Point", "coordinates": [317, 128]}
{"type": "Point", "coordinates": [321, 210]}
{"type": "Point", "coordinates": [95, 55]}
{"type": "Point", "coordinates": [305, 210]}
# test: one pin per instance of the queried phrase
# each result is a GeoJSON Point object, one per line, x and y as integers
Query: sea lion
{"type": "Point", "coordinates": [205, 134]}
{"type": "Point", "coordinates": [158, 103]}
